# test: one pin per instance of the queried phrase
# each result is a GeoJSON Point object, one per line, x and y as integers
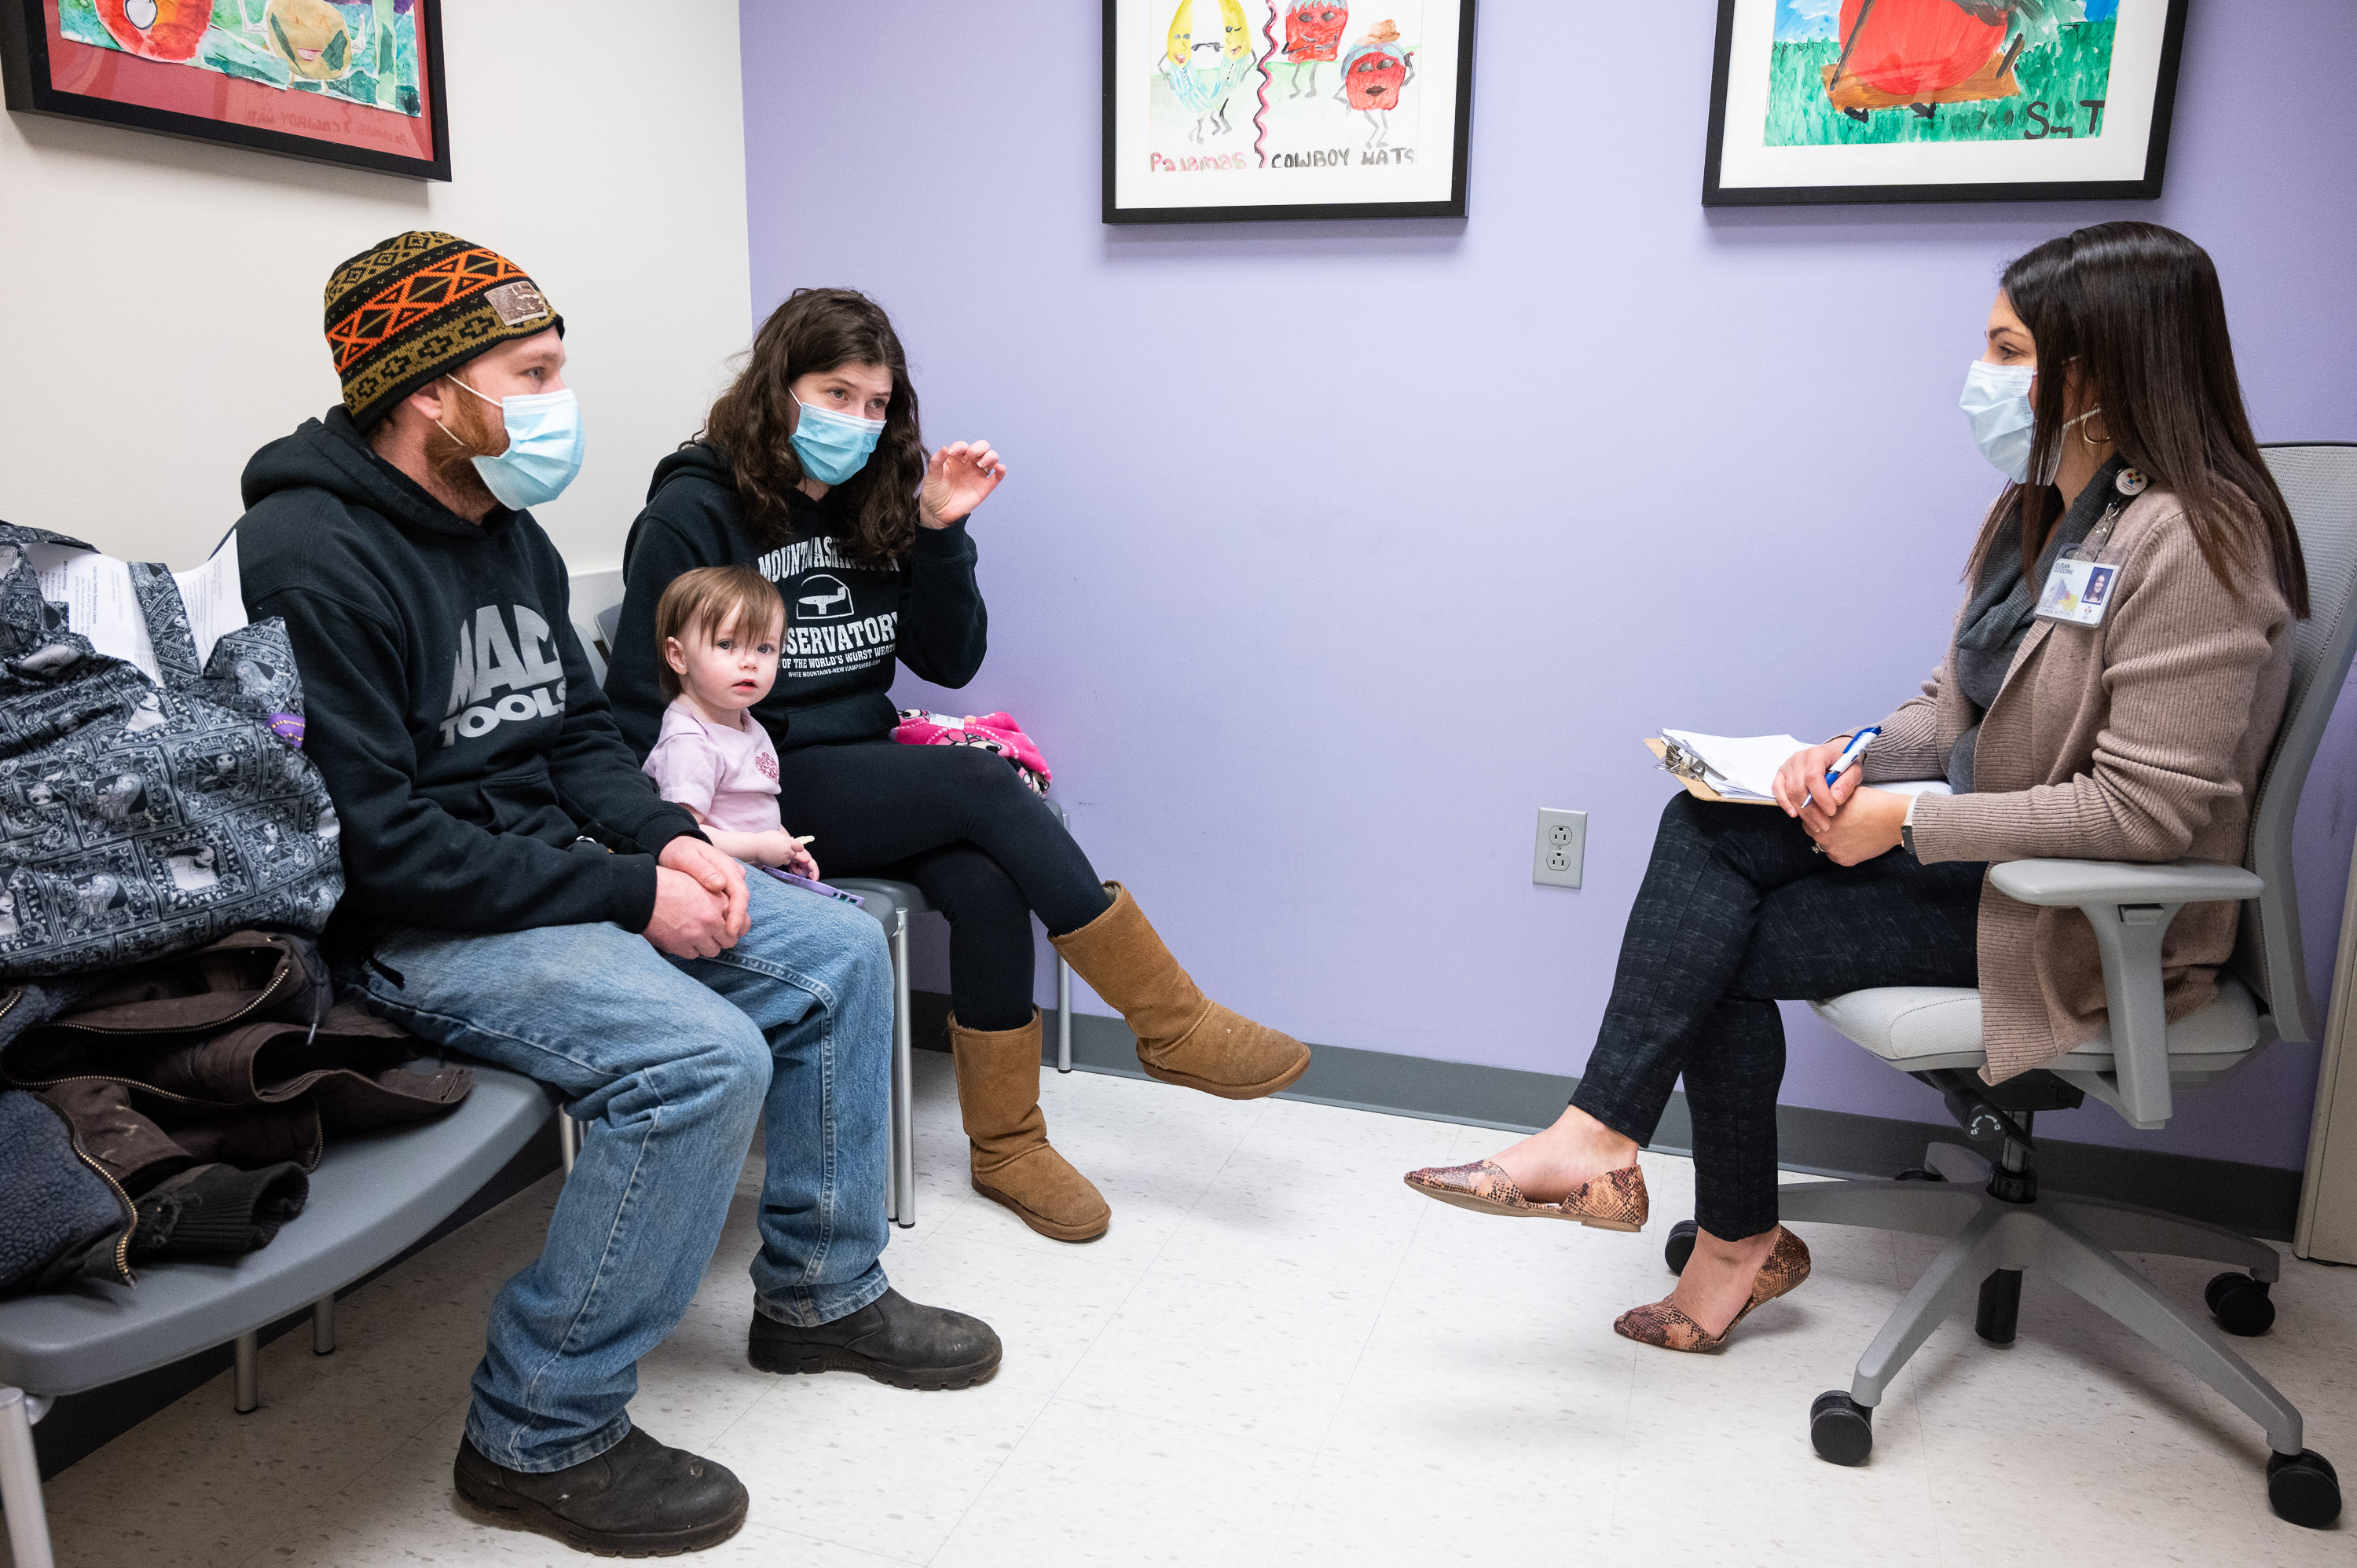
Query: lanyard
{"type": "Point", "coordinates": [2080, 589]}
{"type": "Point", "coordinates": [2091, 547]}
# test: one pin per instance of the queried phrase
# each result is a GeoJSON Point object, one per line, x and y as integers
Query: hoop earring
{"type": "Point", "coordinates": [2105, 440]}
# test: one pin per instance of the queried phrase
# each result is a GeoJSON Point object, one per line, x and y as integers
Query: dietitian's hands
{"type": "Point", "coordinates": [959, 479]}
{"type": "Point", "coordinates": [1850, 822]}
{"type": "Point", "coordinates": [1802, 777]}
{"type": "Point", "coordinates": [1866, 826]}
{"type": "Point", "coordinates": [699, 900]}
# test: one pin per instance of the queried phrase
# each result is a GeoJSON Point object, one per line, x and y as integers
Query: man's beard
{"type": "Point", "coordinates": [467, 429]}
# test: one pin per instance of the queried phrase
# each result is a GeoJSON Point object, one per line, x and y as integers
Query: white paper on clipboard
{"type": "Point", "coordinates": [102, 605]}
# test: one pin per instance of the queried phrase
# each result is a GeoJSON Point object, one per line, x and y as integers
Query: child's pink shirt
{"type": "Point", "coordinates": [730, 775]}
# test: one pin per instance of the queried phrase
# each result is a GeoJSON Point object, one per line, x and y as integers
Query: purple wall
{"type": "Point", "coordinates": [1330, 552]}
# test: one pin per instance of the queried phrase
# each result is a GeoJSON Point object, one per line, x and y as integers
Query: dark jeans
{"type": "Point", "coordinates": [958, 823]}
{"type": "Point", "coordinates": [1736, 912]}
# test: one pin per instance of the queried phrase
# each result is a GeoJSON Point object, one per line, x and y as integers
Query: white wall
{"type": "Point", "coordinates": [160, 311]}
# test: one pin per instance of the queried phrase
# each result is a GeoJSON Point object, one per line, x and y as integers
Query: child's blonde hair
{"type": "Point", "coordinates": [707, 601]}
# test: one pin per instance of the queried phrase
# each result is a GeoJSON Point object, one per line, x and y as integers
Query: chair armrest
{"type": "Point", "coordinates": [2130, 907]}
{"type": "Point", "coordinates": [2078, 882]}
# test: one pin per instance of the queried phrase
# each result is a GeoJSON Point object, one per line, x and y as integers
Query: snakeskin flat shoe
{"type": "Point", "coordinates": [1613, 1202]}
{"type": "Point", "coordinates": [1663, 1325]}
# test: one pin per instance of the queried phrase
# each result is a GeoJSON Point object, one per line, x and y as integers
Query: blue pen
{"type": "Point", "coordinates": [1852, 754]}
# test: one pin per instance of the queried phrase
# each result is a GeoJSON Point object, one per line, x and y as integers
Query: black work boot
{"type": "Point", "coordinates": [638, 1498]}
{"type": "Point", "coordinates": [892, 1339]}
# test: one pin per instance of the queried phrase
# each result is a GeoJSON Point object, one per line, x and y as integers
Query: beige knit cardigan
{"type": "Point", "coordinates": [2139, 739]}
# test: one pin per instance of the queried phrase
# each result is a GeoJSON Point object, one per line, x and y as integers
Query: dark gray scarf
{"type": "Point", "coordinates": [1996, 617]}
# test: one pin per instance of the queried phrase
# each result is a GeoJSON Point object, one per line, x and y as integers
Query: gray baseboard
{"type": "Point", "coordinates": [2258, 1201]}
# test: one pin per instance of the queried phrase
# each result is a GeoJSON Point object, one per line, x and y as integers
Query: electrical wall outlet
{"type": "Point", "coordinates": [1562, 848]}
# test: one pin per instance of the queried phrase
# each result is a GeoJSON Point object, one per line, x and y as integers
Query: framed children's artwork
{"type": "Point", "coordinates": [1845, 101]}
{"type": "Point", "coordinates": [344, 82]}
{"type": "Point", "coordinates": [1221, 110]}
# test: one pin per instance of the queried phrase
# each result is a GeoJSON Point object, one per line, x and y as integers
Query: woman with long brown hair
{"type": "Point", "coordinates": [812, 469]}
{"type": "Point", "coordinates": [2111, 689]}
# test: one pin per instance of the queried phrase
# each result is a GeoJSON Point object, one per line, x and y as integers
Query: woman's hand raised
{"type": "Point", "coordinates": [959, 479]}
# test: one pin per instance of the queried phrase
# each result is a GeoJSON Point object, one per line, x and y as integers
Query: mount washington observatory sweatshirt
{"type": "Point", "coordinates": [848, 623]}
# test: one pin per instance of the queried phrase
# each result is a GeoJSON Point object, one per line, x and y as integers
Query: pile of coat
{"type": "Point", "coordinates": [174, 1108]}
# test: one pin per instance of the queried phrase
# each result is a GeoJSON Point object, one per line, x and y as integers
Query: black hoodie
{"type": "Point", "coordinates": [847, 624]}
{"type": "Point", "coordinates": [448, 704]}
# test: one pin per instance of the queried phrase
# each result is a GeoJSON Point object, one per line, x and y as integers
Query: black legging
{"type": "Point", "coordinates": [958, 823]}
{"type": "Point", "coordinates": [1736, 911]}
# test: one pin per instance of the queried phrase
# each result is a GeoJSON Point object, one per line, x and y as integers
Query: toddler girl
{"type": "Point", "coordinates": [717, 629]}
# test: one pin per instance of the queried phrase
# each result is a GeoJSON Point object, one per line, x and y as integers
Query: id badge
{"type": "Point", "coordinates": [2079, 590]}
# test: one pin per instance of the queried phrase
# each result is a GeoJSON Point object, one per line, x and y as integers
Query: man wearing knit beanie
{"type": "Point", "coordinates": [516, 890]}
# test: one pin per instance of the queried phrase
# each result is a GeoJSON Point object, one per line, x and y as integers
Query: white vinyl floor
{"type": "Point", "coordinates": [1278, 1355]}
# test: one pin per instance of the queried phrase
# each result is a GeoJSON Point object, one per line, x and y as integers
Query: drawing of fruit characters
{"type": "Point", "coordinates": [313, 38]}
{"type": "Point", "coordinates": [1313, 33]}
{"type": "Point", "coordinates": [1207, 52]}
{"type": "Point", "coordinates": [156, 29]}
{"type": "Point", "coordinates": [1374, 73]}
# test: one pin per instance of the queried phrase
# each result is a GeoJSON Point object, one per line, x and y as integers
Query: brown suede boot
{"type": "Point", "coordinates": [998, 1095]}
{"type": "Point", "coordinates": [1183, 1037]}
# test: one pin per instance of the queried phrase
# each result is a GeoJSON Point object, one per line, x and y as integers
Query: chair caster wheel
{"type": "Point", "coordinates": [1917, 1173]}
{"type": "Point", "coordinates": [2240, 1303]}
{"type": "Point", "coordinates": [1680, 1246]}
{"type": "Point", "coordinates": [2303, 1489]}
{"type": "Point", "coordinates": [1842, 1429]}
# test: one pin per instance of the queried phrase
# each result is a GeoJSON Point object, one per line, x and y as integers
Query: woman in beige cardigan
{"type": "Point", "coordinates": [2125, 720]}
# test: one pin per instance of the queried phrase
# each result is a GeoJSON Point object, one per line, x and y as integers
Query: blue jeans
{"type": "Point", "coordinates": [669, 1063]}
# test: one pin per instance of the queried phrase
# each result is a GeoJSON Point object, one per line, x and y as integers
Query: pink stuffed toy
{"type": "Point", "coordinates": [992, 732]}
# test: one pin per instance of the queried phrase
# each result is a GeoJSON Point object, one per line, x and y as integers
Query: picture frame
{"type": "Point", "coordinates": [1825, 101]}
{"type": "Point", "coordinates": [354, 82]}
{"type": "Point", "coordinates": [1286, 109]}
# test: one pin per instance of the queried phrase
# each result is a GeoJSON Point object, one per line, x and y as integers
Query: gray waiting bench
{"type": "Point", "coordinates": [374, 1196]}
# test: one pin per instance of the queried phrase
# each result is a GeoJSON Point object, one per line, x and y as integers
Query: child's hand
{"type": "Point", "coordinates": [783, 850]}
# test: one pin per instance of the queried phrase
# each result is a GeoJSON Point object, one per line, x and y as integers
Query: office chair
{"type": "Point", "coordinates": [2007, 1227]}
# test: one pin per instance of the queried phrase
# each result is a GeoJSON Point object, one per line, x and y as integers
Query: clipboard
{"type": "Point", "coordinates": [1688, 772]}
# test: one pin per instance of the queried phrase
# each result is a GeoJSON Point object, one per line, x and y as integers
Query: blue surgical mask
{"type": "Point", "coordinates": [833, 447]}
{"type": "Point", "coordinates": [1997, 399]}
{"type": "Point", "coordinates": [544, 448]}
